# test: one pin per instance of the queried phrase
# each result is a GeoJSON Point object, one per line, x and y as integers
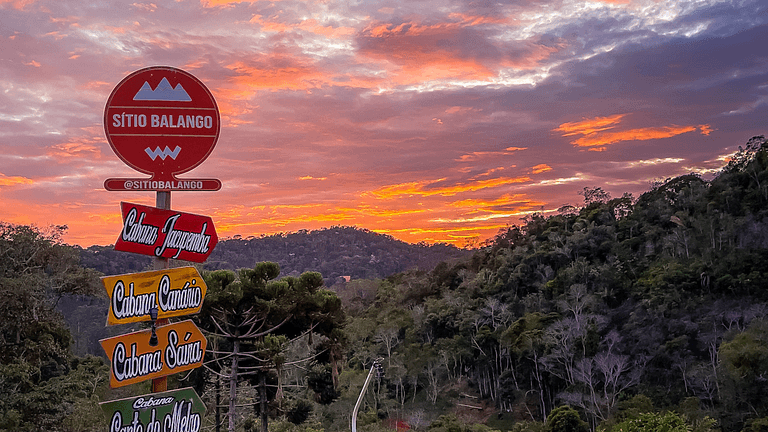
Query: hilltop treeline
{"type": "Point", "coordinates": [334, 252]}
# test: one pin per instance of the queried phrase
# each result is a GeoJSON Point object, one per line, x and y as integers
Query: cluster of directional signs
{"type": "Point", "coordinates": [160, 121]}
{"type": "Point", "coordinates": [181, 346]}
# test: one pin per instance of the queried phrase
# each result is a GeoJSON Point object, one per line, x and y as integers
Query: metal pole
{"type": "Point", "coordinates": [362, 393]}
{"type": "Point", "coordinates": [162, 201]}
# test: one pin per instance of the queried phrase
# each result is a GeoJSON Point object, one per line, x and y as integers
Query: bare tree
{"type": "Point", "coordinates": [603, 378]}
{"type": "Point", "coordinates": [389, 336]}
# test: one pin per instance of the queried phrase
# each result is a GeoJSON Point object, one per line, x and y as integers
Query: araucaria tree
{"type": "Point", "coordinates": [250, 317]}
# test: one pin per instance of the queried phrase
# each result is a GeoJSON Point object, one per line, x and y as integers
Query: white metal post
{"type": "Point", "coordinates": [374, 366]}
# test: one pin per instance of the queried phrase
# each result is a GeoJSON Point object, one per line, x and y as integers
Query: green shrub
{"type": "Point", "coordinates": [565, 419]}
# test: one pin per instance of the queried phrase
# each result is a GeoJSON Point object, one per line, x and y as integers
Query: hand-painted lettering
{"type": "Point", "coordinates": [141, 403]}
{"type": "Point", "coordinates": [126, 366]}
{"type": "Point", "coordinates": [135, 231]}
{"type": "Point", "coordinates": [182, 418]}
{"type": "Point", "coordinates": [187, 297]}
{"type": "Point", "coordinates": [116, 425]}
{"type": "Point", "coordinates": [181, 355]}
{"type": "Point", "coordinates": [183, 240]}
{"type": "Point", "coordinates": [128, 305]}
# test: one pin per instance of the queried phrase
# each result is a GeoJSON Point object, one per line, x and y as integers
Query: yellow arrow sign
{"type": "Point", "coordinates": [175, 292]}
{"type": "Point", "coordinates": [181, 347]}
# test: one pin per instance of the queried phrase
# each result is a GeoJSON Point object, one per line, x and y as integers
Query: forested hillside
{"type": "Point", "coordinates": [622, 306]}
{"type": "Point", "coordinates": [334, 252]}
{"type": "Point", "coordinates": [629, 313]}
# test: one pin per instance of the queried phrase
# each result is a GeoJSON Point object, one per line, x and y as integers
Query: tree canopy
{"type": "Point", "coordinates": [41, 380]}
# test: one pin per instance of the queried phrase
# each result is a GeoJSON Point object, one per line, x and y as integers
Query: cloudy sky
{"type": "Point", "coordinates": [428, 120]}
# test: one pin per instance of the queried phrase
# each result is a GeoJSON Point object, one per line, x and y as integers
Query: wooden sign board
{"type": "Point", "coordinates": [181, 347]}
{"type": "Point", "coordinates": [171, 411]}
{"type": "Point", "coordinates": [166, 233]}
{"type": "Point", "coordinates": [176, 292]}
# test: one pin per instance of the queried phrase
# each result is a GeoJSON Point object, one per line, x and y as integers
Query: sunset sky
{"type": "Point", "coordinates": [428, 120]}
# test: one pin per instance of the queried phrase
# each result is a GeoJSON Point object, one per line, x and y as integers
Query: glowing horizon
{"type": "Point", "coordinates": [436, 121]}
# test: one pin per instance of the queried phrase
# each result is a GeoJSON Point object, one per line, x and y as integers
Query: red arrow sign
{"type": "Point", "coordinates": [166, 233]}
{"type": "Point", "coordinates": [161, 121]}
{"type": "Point", "coordinates": [181, 347]}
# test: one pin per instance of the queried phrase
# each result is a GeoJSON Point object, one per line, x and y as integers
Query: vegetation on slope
{"type": "Point", "coordinates": [638, 314]}
{"type": "Point", "coordinates": [334, 252]}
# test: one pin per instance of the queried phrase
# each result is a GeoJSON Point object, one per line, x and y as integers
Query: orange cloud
{"type": "Point", "coordinates": [17, 4]}
{"type": "Point", "coordinates": [14, 180]}
{"type": "Point", "coordinates": [215, 3]}
{"type": "Point", "coordinates": [97, 85]}
{"type": "Point", "coordinates": [595, 137]}
{"type": "Point", "coordinates": [281, 220]}
{"type": "Point", "coordinates": [276, 207]}
{"type": "Point", "coordinates": [479, 155]}
{"type": "Point", "coordinates": [387, 213]}
{"type": "Point", "coordinates": [420, 188]}
{"type": "Point", "coordinates": [456, 109]}
{"type": "Point", "coordinates": [274, 218]}
{"type": "Point", "coordinates": [75, 149]}
{"type": "Point", "coordinates": [423, 52]}
{"type": "Point", "coordinates": [278, 71]}
{"type": "Point", "coordinates": [425, 217]}
{"type": "Point", "coordinates": [440, 230]}
{"type": "Point", "coordinates": [312, 26]}
{"type": "Point", "coordinates": [460, 236]}
{"type": "Point", "coordinates": [283, 71]}
{"type": "Point", "coordinates": [530, 55]}
{"type": "Point", "coordinates": [486, 173]}
{"type": "Point", "coordinates": [504, 200]}
{"type": "Point", "coordinates": [148, 7]}
{"type": "Point", "coordinates": [309, 25]}
{"type": "Point", "coordinates": [642, 134]}
{"type": "Point", "coordinates": [269, 26]}
{"type": "Point", "coordinates": [590, 126]}
{"type": "Point", "coordinates": [476, 20]}
{"type": "Point", "coordinates": [540, 168]}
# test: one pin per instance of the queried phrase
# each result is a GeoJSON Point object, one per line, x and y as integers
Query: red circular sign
{"type": "Point", "coordinates": [161, 121]}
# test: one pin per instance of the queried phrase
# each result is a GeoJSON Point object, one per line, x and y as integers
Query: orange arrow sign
{"type": "Point", "coordinates": [181, 347]}
{"type": "Point", "coordinates": [176, 292]}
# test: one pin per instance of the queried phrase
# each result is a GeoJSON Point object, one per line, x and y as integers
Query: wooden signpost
{"type": "Point", "coordinates": [175, 292]}
{"type": "Point", "coordinates": [160, 121]}
{"type": "Point", "coordinates": [180, 347]}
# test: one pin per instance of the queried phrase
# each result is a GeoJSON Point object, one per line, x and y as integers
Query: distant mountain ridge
{"type": "Point", "coordinates": [335, 252]}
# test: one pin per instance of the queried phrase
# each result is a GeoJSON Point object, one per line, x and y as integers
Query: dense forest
{"type": "Point", "coordinates": [625, 314]}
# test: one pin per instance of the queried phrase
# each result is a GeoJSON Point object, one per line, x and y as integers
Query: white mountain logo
{"type": "Point", "coordinates": [163, 92]}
